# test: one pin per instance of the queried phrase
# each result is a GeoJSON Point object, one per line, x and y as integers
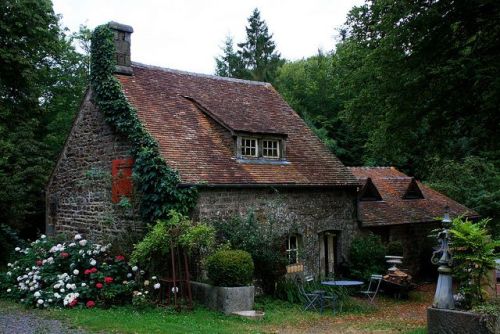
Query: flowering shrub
{"type": "Point", "coordinates": [72, 273]}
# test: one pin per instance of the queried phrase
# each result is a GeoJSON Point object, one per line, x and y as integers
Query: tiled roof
{"type": "Point", "coordinates": [194, 117]}
{"type": "Point", "coordinates": [393, 209]}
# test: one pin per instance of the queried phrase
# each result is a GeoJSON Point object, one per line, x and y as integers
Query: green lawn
{"type": "Point", "coordinates": [279, 315]}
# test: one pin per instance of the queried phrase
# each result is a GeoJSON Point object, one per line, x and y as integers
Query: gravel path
{"type": "Point", "coordinates": [15, 321]}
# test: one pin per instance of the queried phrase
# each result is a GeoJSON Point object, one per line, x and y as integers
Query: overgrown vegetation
{"type": "Point", "coordinates": [261, 240]}
{"type": "Point", "coordinates": [157, 184]}
{"type": "Point", "coordinates": [176, 231]}
{"type": "Point", "coordinates": [367, 256]}
{"type": "Point", "coordinates": [474, 254]}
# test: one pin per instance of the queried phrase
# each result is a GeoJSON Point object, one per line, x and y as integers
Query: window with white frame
{"type": "Point", "coordinates": [270, 149]}
{"type": "Point", "coordinates": [249, 147]}
{"type": "Point", "coordinates": [292, 249]}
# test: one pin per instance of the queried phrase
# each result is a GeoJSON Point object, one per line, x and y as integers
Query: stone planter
{"type": "Point", "coordinates": [225, 299]}
{"type": "Point", "coordinates": [441, 321]}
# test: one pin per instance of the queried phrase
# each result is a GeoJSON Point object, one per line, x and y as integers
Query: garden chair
{"type": "Point", "coordinates": [312, 299]}
{"type": "Point", "coordinates": [373, 287]}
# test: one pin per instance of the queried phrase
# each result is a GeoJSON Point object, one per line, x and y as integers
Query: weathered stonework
{"type": "Point", "coordinates": [302, 211]}
{"type": "Point", "coordinates": [79, 191]}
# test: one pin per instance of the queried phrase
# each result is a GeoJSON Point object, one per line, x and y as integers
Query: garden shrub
{"type": "Point", "coordinates": [72, 273]}
{"type": "Point", "coordinates": [230, 268]}
{"type": "Point", "coordinates": [474, 257]}
{"type": "Point", "coordinates": [367, 256]}
{"type": "Point", "coordinates": [261, 241]}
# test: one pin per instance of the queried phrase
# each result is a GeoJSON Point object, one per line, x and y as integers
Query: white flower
{"type": "Point", "coordinates": [9, 273]}
{"type": "Point", "coordinates": [9, 290]}
{"type": "Point", "coordinates": [43, 236]}
{"type": "Point", "coordinates": [40, 301]}
{"type": "Point", "coordinates": [156, 286]}
{"type": "Point", "coordinates": [57, 295]}
{"type": "Point", "coordinates": [72, 244]}
{"type": "Point", "coordinates": [50, 300]}
{"type": "Point", "coordinates": [32, 288]}
{"type": "Point", "coordinates": [129, 275]}
{"type": "Point", "coordinates": [78, 237]}
{"type": "Point", "coordinates": [93, 262]}
{"type": "Point", "coordinates": [37, 294]}
{"type": "Point", "coordinates": [153, 278]}
{"type": "Point", "coordinates": [134, 268]}
{"type": "Point", "coordinates": [9, 264]}
{"type": "Point", "coordinates": [17, 249]}
{"type": "Point", "coordinates": [75, 272]}
{"type": "Point", "coordinates": [142, 272]}
{"type": "Point", "coordinates": [57, 286]}
{"type": "Point", "coordinates": [82, 242]}
{"type": "Point", "coordinates": [83, 284]}
{"type": "Point", "coordinates": [81, 251]}
{"type": "Point", "coordinates": [62, 290]}
{"type": "Point", "coordinates": [146, 283]}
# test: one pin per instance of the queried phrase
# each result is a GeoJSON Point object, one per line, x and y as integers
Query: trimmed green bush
{"type": "Point", "coordinates": [230, 268]}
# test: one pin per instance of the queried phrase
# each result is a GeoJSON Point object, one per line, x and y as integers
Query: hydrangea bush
{"type": "Point", "coordinates": [74, 273]}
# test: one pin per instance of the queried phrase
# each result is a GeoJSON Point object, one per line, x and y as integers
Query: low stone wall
{"type": "Point", "coordinates": [225, 299]}
{"type": "Point", "coordinates": [458, 322]}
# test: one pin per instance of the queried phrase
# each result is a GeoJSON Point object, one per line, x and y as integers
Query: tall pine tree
{"type": "Point", "coordinates": [256, 58]}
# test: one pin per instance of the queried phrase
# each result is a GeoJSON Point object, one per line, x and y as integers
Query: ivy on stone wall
{"type": "Point", "coordinates": [156, 183]}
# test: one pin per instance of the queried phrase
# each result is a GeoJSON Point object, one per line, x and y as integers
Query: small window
{"type": "Point", "coordinates": [249, 147]}
{"type": "Point", "coordinates": [270, 149]}
{"type": "Point", "coordinates": [292, 249]}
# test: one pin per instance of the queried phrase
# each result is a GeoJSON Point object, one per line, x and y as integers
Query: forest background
{"type": "Point", "coordinates": [410, 84]}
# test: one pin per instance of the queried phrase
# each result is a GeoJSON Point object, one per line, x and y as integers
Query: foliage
{"type": "Point", "coordinates": [157, 183]}
{"type": "Point", "coordinates": [71, 273]}
{"type": "Point", "coordinates": [474, 182]}
{"type": "Point", "coordinates": [367, 256]}
{"type": "Point", "coordinates": [9, 238]}
{"type": "Point", "coordinates": [394, 248]}
{"type": "Point", "coordinates": [230, 268]}
{"type": "Point", "coordinates": [474, 256]}
{"type": "Point", "coordinates": [256, 58]}
{"type": "Point", "coordinates": [41, 83]}
{"type": "Point", "coordinates": [311, 88]}
{"type": "Point", "coordinates": [177, 231]}
{"type": "Point", "coordinates": [261, 241]}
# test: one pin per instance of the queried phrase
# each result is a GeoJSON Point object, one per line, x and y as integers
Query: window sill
{"type": "Point", "coordinates": [263, 161]}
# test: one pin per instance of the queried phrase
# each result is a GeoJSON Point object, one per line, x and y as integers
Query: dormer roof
{"type": "Point", "coordinates": [404, 200]}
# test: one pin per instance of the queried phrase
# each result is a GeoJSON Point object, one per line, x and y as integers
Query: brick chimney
{"type": "Point", "coordinates": [122, 44]}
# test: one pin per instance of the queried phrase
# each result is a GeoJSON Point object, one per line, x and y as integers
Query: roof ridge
{"type": "Point", "coordinates": [201, 75]}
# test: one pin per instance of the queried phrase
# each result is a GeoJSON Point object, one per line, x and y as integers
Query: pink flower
{"type": "Point", "coordinates": [108, 279]}
{"type": "Point", "coordinates": [73, 302]}
{"type": "Point", "coordinates": [90, 304]}
{"type": "Point", "coordinates": [64, 255]}
{"type": "Point", "coordinates": [99, 285]}
{"type": "Point", "coordinates": [119, 258]}
{"type": "Point", "coordinates": [39, 263]}
{"type": "Point", "coordinates": [87, 272]}
{"type": "Point", "coordinates": [93, 270]}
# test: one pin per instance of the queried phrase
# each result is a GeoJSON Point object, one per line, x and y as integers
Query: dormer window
{"type": "Point", "coordinates": [270, 149]}
{"type": "Point", "coordinates": [265, 149]}
{"type": "Point", "coordinates": [249, 147]}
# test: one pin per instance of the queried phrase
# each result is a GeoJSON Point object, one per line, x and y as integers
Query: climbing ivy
{"type": "Point", "coordinates": [157, 184]}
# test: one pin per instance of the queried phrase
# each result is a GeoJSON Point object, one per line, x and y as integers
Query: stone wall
{"type": "Point", "coordinates": [306, 212]}
{"type": "Point", "coordinates": [79, 191]}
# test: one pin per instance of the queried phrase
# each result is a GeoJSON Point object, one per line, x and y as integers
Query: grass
{"type": "Point", "coordinates": [358, 316]}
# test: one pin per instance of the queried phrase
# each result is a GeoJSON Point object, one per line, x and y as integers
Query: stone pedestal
{"type": "Point", "coordinates": [225, 299]}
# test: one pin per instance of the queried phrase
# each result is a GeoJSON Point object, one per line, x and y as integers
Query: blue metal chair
{"type": "Point", "coordinates": [373, 287]}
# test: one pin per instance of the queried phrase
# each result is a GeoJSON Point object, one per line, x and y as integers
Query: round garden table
{"type": "Point", "coordinates": [344, 283]}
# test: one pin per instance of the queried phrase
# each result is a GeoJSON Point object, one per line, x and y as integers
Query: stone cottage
{"type": "Point", "coordinates": [238, 141]}
{"type": "Point", "coordinates": [245, 150]}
